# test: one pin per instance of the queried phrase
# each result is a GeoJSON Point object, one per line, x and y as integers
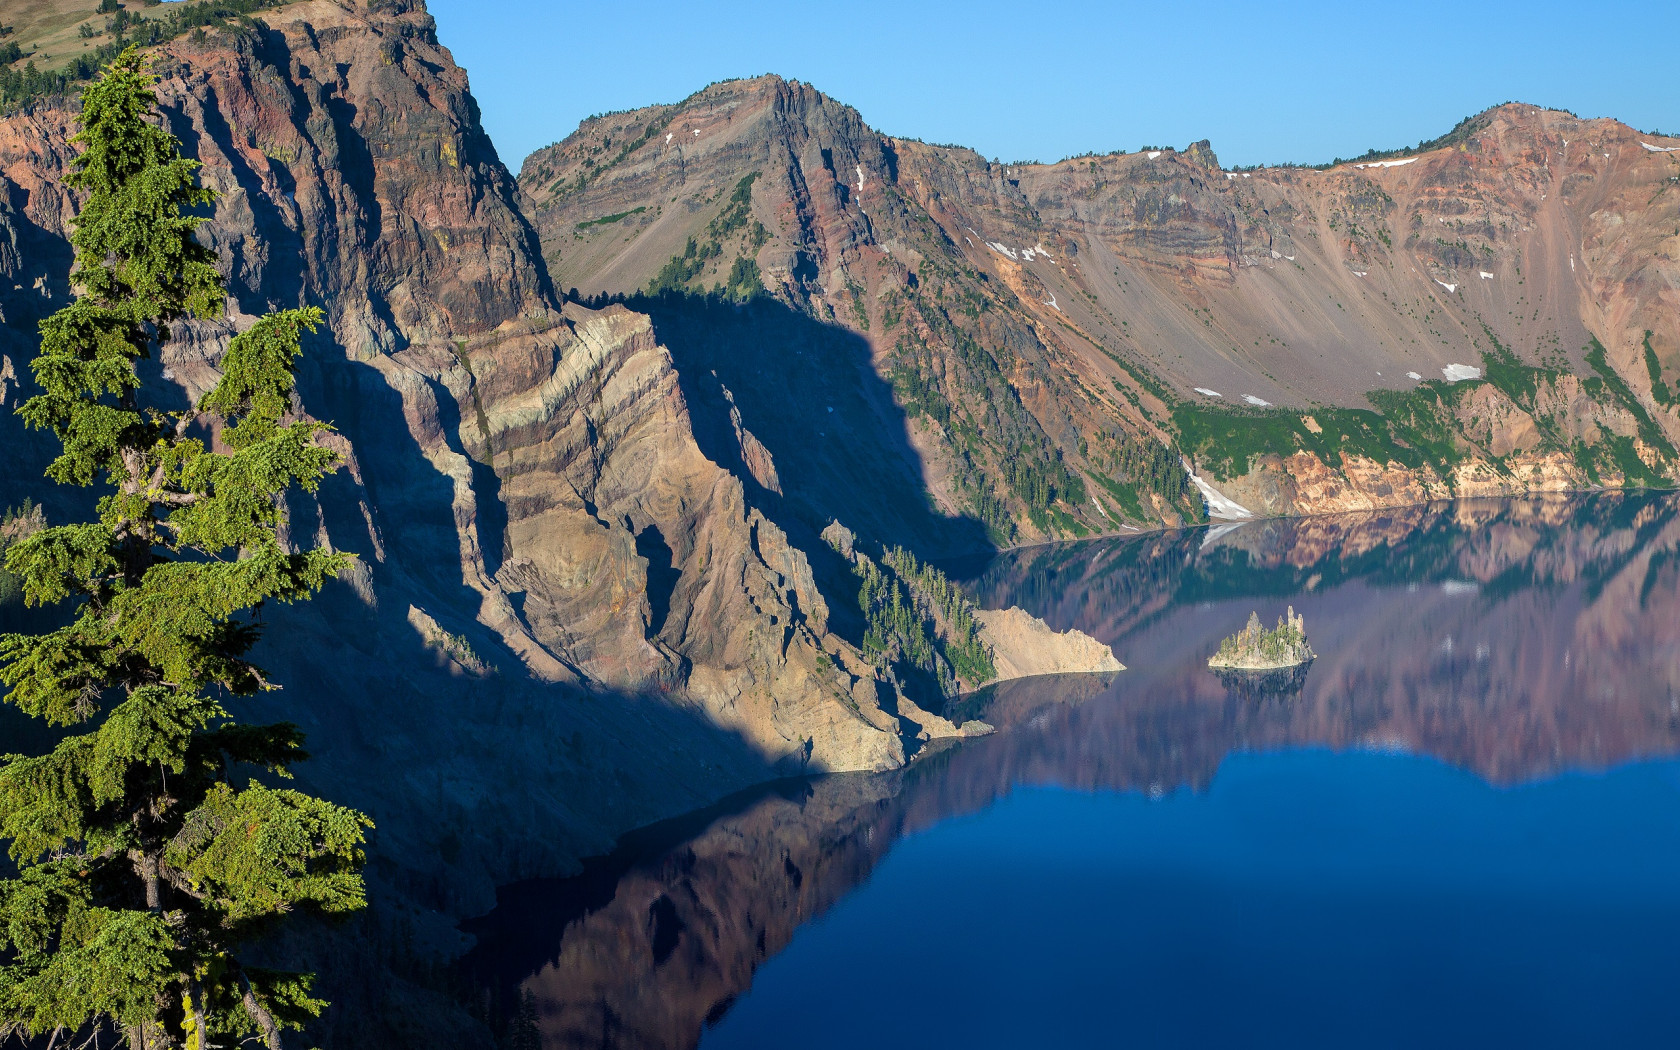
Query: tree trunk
{"type": "Point", "coordinates": [197, 1036]}
{"type": "Point", "coordinates": [146, 866]}
{"type": "Point", "coordinates": [259, 1013]}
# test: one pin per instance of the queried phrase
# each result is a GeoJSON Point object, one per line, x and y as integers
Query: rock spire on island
{"type": "Point", "coordinates": [1256, 649]}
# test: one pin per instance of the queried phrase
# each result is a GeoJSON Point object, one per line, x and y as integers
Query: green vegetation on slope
{"type": "Point", "coordinates": [1660, 391]}
{"type": "Point", "coordinates": [1227, 440]}
{"type": "Point", "coordinates": [19, 86]}
{"type": "Point", "coordinates": [897, 632]}
{"type": "Point", "coordinates": [1142, 466]}
{"type": "Point", "coordinates": [1424, 426]}
{"type": "Point", "coordinates": [951, 609]}
{"type": "Point", "coordinates": [1617, 388]}
{"type": "Point", "coordinates": [919, 624]}
{"type": "Point", "coordinates": [743, 281]}
{"type": "Point", "coordinates": [939, 370]}
{"type": "Point", "coordinates": [608, 220]}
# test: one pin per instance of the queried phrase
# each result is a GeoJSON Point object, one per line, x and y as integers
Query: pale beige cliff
{"type": "Point", "coordinates": [1024, 646]}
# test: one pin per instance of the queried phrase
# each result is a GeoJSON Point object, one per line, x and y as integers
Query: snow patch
{"type": "Point", "coordinates": [696, 132]}
{"type": "Point", "coordinates": [668, 135]}
{"type": "Point", "coordinates": [1414, 375]}
{"type": "Point", "coordinates": [1661, 149]}
{"type": "Point", "coordinates": [1449, 287]}
{"type": "Point", "coordinates": [1209, 393]}
{"type": "Point", "coordinates": [1458, 373]}
{"type": "Point", "coordinates": [1218, 505]}
{"type": "Point", "coordinates": [1459, 587]}
{"type": "Point", "coordinates": [1256, 402]}
{"type": "Point", "coordinates": [1052, 303]}
{"type": "Point", "coordinates": [1485, 275]}
{"type": "Point", "coordinates": [1386, 163]}
{"type": "Point", "coordinates": [860, 178]}
{"type": "Point", "coordinates": [1002, 249]}
{"type": "Point", "coordinates": [1360, 273]}
{"type": "Point", "coordinates": [1276, 254]}
{"type": "Point", "coordinates": [1152, 154]}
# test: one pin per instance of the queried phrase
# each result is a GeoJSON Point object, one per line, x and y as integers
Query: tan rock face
{"type": "Point", "coordinates": [640, 562]}
{"type": "Point", "coordinates": [1024, 646]}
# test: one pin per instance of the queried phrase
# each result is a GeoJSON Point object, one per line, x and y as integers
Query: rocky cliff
{"type": "Point", "coordinates": [1490, 313]}
{"type": "Point", "coordinates": [567, 618]}
{"type": "Point", "coordinates": [526, 476]}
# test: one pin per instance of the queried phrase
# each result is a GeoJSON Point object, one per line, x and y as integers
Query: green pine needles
{"type": "Point", "coordinates": [142, 869]}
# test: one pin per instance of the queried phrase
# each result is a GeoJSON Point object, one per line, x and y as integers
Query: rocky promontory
{"type": "Point", "coordinates": [1024, 646]}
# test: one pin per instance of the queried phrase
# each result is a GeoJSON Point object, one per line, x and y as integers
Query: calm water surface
{"type": "Point", "coordinates": [1462, 829]}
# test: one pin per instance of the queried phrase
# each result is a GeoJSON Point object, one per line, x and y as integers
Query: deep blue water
{"type": "Point", "coordinates": [1305, 899]}
{"type": "Point", "coordinates": [1460, 828]}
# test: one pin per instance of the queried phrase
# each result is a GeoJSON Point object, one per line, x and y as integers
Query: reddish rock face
{"type": "Point", "coordinates": [1526, 231]}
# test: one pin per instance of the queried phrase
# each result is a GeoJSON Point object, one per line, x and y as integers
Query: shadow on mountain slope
{"type": "Point", "coordinates": [839, 446]}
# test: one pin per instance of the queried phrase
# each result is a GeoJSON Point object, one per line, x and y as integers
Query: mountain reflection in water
{"type": "Point", "coordinates": [1513, 639]}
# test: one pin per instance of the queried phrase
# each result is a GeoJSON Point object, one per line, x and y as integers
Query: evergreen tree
{"type": "Point", "coordinates": [142, 867]}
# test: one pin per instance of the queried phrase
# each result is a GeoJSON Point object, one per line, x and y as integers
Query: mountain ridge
{"type": "Point", "coordinates": [1176, 265]}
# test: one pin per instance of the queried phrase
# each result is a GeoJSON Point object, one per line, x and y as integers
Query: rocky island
{"type": "Point", "coordinates": [1255, 656]}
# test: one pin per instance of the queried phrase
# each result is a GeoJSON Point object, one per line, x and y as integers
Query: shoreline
{"type": "Point", "coordinates": [1213, 523]}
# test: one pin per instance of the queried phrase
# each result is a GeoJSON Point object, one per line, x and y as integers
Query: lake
{"type": "Point", "coordinates": [1461, 828]}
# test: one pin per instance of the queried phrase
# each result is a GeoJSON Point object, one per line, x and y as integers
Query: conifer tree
{"type": "Point", "coordinates": [146, 855]}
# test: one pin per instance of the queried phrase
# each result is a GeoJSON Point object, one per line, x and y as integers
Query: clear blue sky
{"type": "Point", "coordinates": [1033, 80]}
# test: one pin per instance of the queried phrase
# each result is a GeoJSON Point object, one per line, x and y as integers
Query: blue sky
{"type": "Point", "coordinates": [1023, 80]}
